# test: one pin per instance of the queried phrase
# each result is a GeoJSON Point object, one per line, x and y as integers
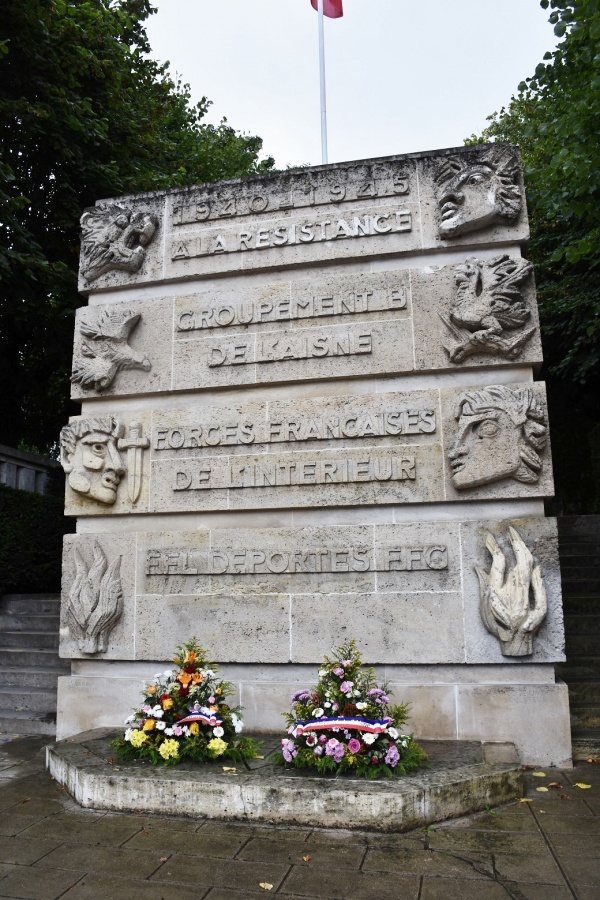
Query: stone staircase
{"type": "Point", "coordinates": [579, 547]}
{"type": "Point", "coordinates": [29, 663]}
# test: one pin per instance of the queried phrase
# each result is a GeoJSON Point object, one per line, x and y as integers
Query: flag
{"type": "Point", "coordinates": [331, 8]}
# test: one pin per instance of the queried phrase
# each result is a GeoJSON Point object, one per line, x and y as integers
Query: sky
{"type": "Point", "coordinates": [402, 75]}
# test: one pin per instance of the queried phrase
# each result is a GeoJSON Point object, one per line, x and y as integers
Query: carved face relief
{"type": "Point", "coordinates": [476, 193]}
{"type": "Point", "coordinates": [91, 459]}
{"type": "Point", "coordinates": [500, 433]}
{"type": "Point", "coordinates": [113, 237]}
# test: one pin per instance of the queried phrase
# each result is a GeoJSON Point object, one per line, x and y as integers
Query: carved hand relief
{"type": "Point", "coordinates": [501, 434]}
{"type": "Point", "coordinates": [113, 237]}
{"type": "Point", "coordinates": [90, 455]}
{"type": "Point", "coordinates": [95, 602]}
{"type": "Point", "coordinates": [474, 193]}
{"type": "Point", "coordinates": [106, 351]}
{"type": "Point", "coordinates": [512, 607]}
{"type": "Point", "coordinates": [487, 305]}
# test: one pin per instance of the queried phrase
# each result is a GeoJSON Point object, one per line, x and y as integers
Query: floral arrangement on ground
{"type": "Point", "coordinates": [185, 714]}
{"type": "Point", "coordinates": [347, 723]}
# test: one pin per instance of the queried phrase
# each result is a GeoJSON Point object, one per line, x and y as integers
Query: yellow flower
{"type": "Point", "coordinates": [167, 703]}
{"type": "Point", "coordinates": [137, 738]}
{"type": "Point", "coordinates": [194, 728]}
{"type": "Point", "coordinates": [217, 747]}
{"type": "Point", "coordinates": [149, 724]}
{"type": "Point", "coordinates": [197, 677]}
{"type": "Point", "coordinates": [151, 689]}
{"type": "Point", "coordinates": [169, 748]}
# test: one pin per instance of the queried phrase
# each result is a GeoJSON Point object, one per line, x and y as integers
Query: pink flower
{"type": "Point", "coordinates": [331, 747]}
{"type": "Point", "coordinates": [353, 745]}
{"type": "Point", "coordinates": [346, 663]}
{"type": "Point", "coordinates": [392, 756]}
{"type": "Point", "coordinates": [318, 751]}
{"type": "Point", "coordinates": [346, 686]}
{"type": "Point", "coordinates": [323, 739]}
{"type": "Point", "coordinates": [375, 761]}
{"type": "Point", "coordinates": [177, 730]}
{"type": "Point", "coordinates": [335, 706]}
{"type": "Point", "coordinates": [338, 671]}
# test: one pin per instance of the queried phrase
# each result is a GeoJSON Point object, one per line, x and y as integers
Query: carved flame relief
{"type": "Point", "coordinates": [95, 602]}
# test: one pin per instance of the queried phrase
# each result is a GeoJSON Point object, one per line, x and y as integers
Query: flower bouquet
{"type": "Point", "coordinates": [185, 714]}
{"type": "Point", "coordinates": [347, 723]}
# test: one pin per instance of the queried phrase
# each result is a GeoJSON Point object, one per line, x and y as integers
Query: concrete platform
{"type": "Point", "coordinates": [463, 777]}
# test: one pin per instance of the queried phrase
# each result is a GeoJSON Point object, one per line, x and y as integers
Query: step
{"type": "Point", "coordinates": [582, 624]}
{"type": "Point", "coordinates": [585, 715]}
{"type": "Point", "coordinates": [12, 622]}
{"type": "Point", "coordinates": [578, 524]}
{"type": "Point", "coordinates": [575, 603]}
{"type": "Point", "coordinates": [572, 553]}
{"type": "Point", "coordinates": [30, 640]}
{"type": "Point", "coordinates": [584, 691]}
{"type": "Point", "coordinates": [32, 677]}
{"type": "Point", "coordinates": [578, 573]}
{"type": "Point", "coordinates": [463, 777]}
{"type": "Point", "coordinates": [580, 646]}
{"type": "Point", "coordinates": [33, 700]}
{"type": "Point", "coordinates": [15, 657]}
{"type": "Point", "coordinates": [30, 604]}
{"type": "Point", "coordinates": [586, 744]}
{"type": "Point", "coordinates": [580, 587]}
{"type": "Point", "coordinates": [12, 722]}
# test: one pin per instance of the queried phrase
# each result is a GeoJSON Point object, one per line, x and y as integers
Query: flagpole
{"type": "Point", "coordinates": [322, 79]}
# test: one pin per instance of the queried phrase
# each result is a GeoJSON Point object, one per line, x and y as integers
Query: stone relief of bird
{"type": "Point", "coordinates": [106, 351]}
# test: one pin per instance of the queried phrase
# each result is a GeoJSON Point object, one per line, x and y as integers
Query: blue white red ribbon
{"type": "Point", "coordinates": [371, 726]}
{"type": "Point", "coordinates": [201, 717]}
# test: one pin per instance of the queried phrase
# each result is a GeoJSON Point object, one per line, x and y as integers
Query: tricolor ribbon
{"type": "Point", "coordinates": [368, 725]}
{"type": "Point", "coordinates": [201, 717]}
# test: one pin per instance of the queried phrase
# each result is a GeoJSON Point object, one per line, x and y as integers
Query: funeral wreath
{"type": "Point", "coordinates": [185, 714]}
{"type": "Point", "coordinates": [347, 723]}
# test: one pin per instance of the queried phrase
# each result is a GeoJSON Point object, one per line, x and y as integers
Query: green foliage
{"type": "Point", "coordinates": [331, 726]}
{"type": "Point", "coordinates": [31, 532]}
{"type": "Point", "coordinates": [555, 119]}
{"type": "Point", "coordinates": [84, 114]}
{"type": "Point", "coordinates": [159, 731]}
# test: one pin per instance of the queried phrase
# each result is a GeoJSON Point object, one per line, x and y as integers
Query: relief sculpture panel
{"type": "Point", "coordinates": [386, 448]}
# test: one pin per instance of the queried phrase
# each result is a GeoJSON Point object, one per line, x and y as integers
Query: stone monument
{"type": "Point", "coordinates": [308, 414]}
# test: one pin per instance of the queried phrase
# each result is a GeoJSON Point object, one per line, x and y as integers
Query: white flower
{"type": "Point", "coordinates": [317, 713]}
{"type": "Point", "coordinates": [157, 677]}
{"type": "Point", "coordinates": [356, 693]}
{"type": "Point", "coordinates": [237, 723]}
{"type": "Point", "coordinates": [158, 712]}
{"type": "Point", "coordinates": [128, 733]}
{"type": "Point", "coordinates": [218, 731]}
{"type": "Point", "coordinates": [322, 673]}
{"type": "Point", "coordinates": [186, 731]}
{"type": "Point", "coordinates": [160, 726]}
{"type": "Point", "coordinates": [168, 731]}
{"type": "Point", "coordinates": [130, 718]}
{"type": "Point", "coordinates": [168, 673]}
{"type": "Point", "coordinates": [393, 732]}
{"type": "Point", "coordinates": [327, 704]}
{"type": "Point", "coordinates": [368, 738]}
{"type": "Point", "coordinates": [361, 705]}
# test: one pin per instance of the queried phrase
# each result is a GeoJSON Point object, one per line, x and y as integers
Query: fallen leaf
{"type": "Point", "coordinates": [542, 790]}
{"type": "Point", "coordinates": [525, 800]}
{"type": "Point", "coordinates": [539, 774]}
{"type": "Point", "coordinates": [306, 858]}
{"type": "Point", "coordinates": [164, 858]}
{"type": "Point", "coordinates": [231, 769]}
{"type": "Point", "coordinates": [541, 810]}
{"type": "Point", "coordinates": [26, 800]}
{"type": "Point", "coordinates": [110, 760]}
{"type": "Point", "coordinates": [144, 833]}
{"type": "Point", "coordinates": [555, 784]}
{"type": "Point", "coordinates": [258, 757]}
{"type": "Point", "coordinates": [52, 778]}
{"type": "Point", "coordinates": [593, 760]}
{"type": "Point", "coordinates": [527, 768]}
{"type": "Point", "coordinates": [581, 785]}
{"type": "Point", "coordinates": [564, 797]}
{"type": "Point", "coordinates": [265, 886]}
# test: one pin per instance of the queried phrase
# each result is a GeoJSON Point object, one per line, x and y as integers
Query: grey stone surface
{"type": "Point", "coordinates": [275, 454]}
{"type": "Point", "coordinates": [344, 211]}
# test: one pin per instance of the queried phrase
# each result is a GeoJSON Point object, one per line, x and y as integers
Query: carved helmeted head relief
{"type": "Point", "coordinates": [501, 434]}
{"type": "Point", "coordinates": [113, 237]}
{"type": "Point", "coordinates": [90, 456]}
{"type": "Point", "coordinates": [475, 192]}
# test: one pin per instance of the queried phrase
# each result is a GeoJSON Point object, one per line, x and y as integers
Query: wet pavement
{"type": "Point", "coordinates": [545, 849]}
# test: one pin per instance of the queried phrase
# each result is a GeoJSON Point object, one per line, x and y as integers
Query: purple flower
{"type": "Point", "coordinates": [323, 739]}
{"type": "Point", "coordinates": [346, 686]}
{"type": "Point", "coordinates": [392, 756]}
{"type": "Point", "coordinates": [339, 753]}
{"type": "Point", "coordinates": [346, 663]}
{"type": "Point", "coordinates": [338, 671]}
{"type": "Point", "coordinates": [335, 706]}
{"type": "Point", "coordinates": [304, 694]}
{"type": "Point", "coordinates": [177, 730]}
{"type": "Point", "coordinates": [331, 747]}
{"type": "Point", "coordinates": [378, 696]}
{"type": "Point", "coordinates": [288, 748]}
{"type": "Point", "coordinates": [353, 745]}
{"type": "Point", "coordinates": [318, 751]}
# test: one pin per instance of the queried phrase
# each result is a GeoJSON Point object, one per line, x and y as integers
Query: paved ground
{"type": "Point", "coordinates": [548, 849]}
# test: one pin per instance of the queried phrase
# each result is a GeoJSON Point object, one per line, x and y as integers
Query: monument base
{"type": "Point", "coordinates": [462, 777]}
{"type": "Point", "coordinates": [521, 703]}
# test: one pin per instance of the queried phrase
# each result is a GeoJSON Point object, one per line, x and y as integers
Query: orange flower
{"type": "Point", "coordinates": [194, 728]}
{"type": "Point", "coordinates": [167, 703]}
{"type": "Point", "coordinates": [197, 677]}
{"type": "Point", "coordinates": [184, 678]}
{"type": "Point", "coordinates": [190, 657]}
{"type": "Point", "coordinates": [148, 725]}
{"type": "Point", "coordinates": [214, 708]}
{"type": "Point", "coordinates": [151, 689]}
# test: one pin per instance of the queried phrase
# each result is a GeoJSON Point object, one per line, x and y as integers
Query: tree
{"type": "Point", "coordinates": [84, 114]}
{"type": "Point", "coordinates": [555, 119]}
